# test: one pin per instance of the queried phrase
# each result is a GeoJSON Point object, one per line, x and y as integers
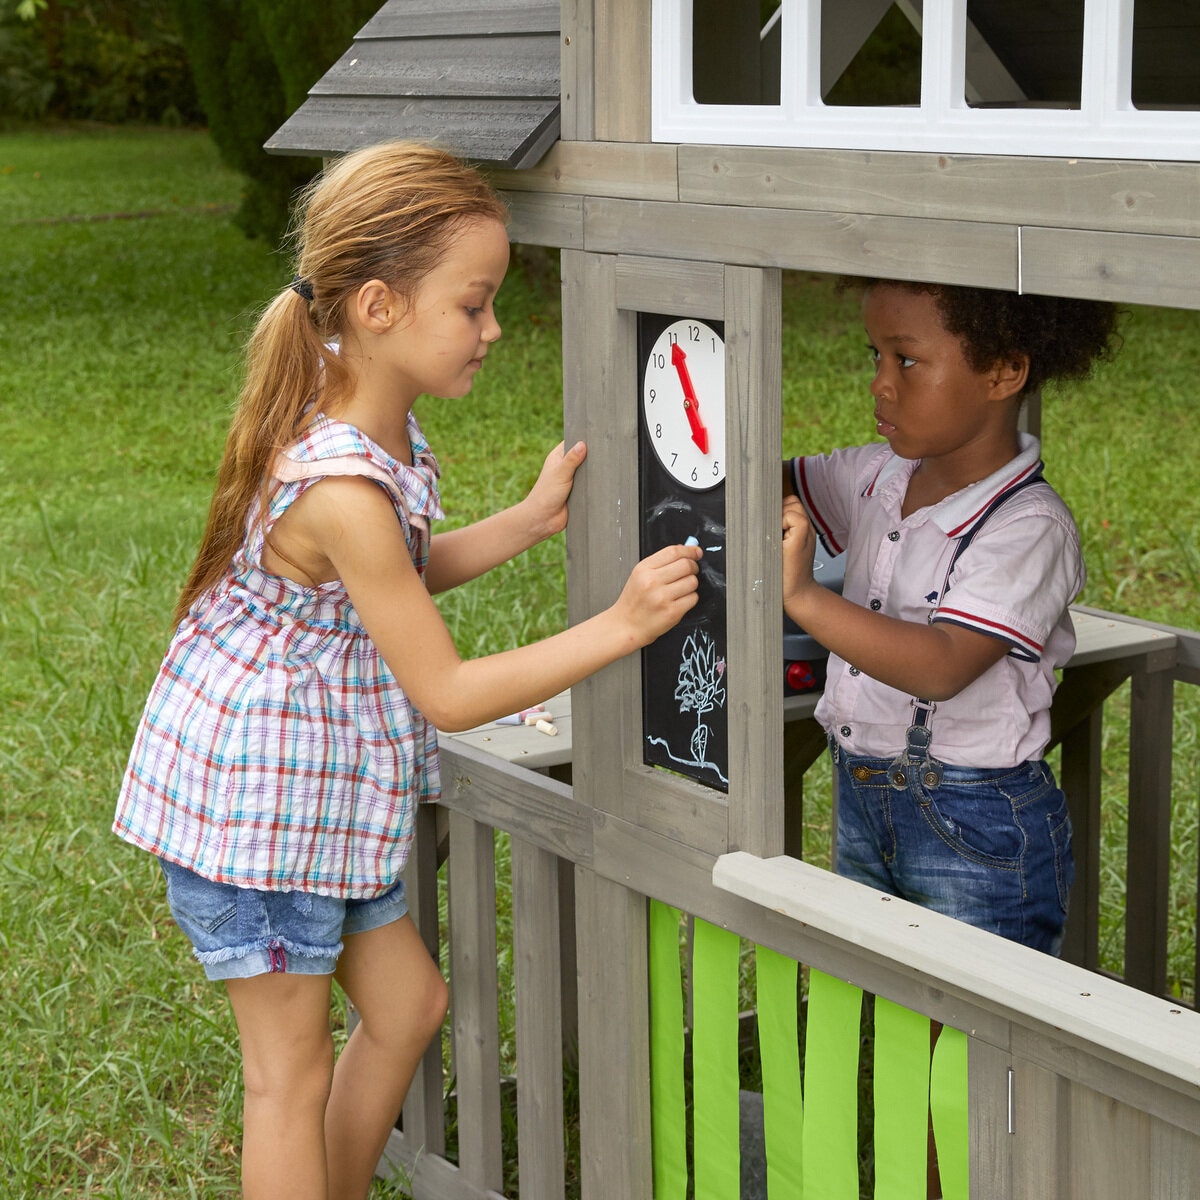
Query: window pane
{"type": "Point", "coordinates": [1165, 71]}
{"type": "Point", "coordinates": [871, 61]}
{"type": "Point", "coordinates": [735, 51]}
{"type": "Point", "coordinates": [1025, 55]}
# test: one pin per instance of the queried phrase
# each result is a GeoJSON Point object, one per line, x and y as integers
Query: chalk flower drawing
{"type": "Point", "coordinates": [699, 688]}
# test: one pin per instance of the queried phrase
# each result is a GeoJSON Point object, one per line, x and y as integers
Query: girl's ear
{"type": "Point", "coordinates": [1008, 376]}
{"type": "Point", "coordinates": [376, 307]}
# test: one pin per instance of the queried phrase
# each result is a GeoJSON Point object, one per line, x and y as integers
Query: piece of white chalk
{"type": "Point", "coordinates": [546, 727]}
{"type": "Point", "coordinates": [692, 541]}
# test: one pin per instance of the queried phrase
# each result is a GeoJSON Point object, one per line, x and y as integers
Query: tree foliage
{"type": "Point", "coordinates": [103, 60]}
{"type": "Point", "coordinates": [253, 62]}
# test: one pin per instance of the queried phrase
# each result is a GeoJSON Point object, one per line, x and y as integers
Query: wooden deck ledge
{"type": "Point", "coordinates": [1127, 1027]}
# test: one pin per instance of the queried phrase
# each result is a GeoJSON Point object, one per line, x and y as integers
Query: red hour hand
{"type": "Point", "coordinates": [691, 405]}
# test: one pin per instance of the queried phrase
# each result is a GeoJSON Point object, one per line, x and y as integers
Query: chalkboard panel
{"type": "Point", "coordinates": [685, 726]}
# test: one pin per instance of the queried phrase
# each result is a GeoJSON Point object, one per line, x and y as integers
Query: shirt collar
{"type": "Point", "coordinates": [959, 513]}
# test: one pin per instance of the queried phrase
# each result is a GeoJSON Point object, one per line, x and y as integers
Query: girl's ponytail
{"type": "Point", "coordinates": [285, 362]}
{"type": "Point", "coordinates": [387, 212]}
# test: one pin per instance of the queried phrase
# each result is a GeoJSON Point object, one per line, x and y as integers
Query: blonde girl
{"type": "Point", "coordinates": [289, 734]}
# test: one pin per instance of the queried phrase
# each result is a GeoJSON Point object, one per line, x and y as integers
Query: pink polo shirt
{"type": "Point", "coordinates": [1014, 581]}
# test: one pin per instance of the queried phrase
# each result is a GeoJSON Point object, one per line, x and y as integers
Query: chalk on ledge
{"type": "Point", "coordinates": [547, 728]}
{"type": "Point", "coordinates": [522, 717]}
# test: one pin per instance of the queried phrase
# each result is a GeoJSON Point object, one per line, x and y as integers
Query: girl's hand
{"type": "Point", "coordinates": [799, 551]}
{"type": "Point", "coordinates": [546, 504]}
{"type": "Point", "coordinates": [661, 588]}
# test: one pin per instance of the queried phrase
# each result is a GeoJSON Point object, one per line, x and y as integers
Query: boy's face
{"type": "Point", "coordinates": [930, 404]}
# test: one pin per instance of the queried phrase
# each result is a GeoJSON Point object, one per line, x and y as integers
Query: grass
{"type": "Point", "coordinates": [127, 296]}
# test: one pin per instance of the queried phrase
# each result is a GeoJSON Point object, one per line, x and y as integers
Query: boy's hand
{"type": "Point", "coordinates": [546, 503]}
{"type": "Point", "coordinates": [799, 551]}
{"type": "Point", "coordinates": [661, 588]}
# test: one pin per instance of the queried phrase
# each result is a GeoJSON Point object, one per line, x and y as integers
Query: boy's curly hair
{"type": "Point", "coordinates": [1063, 337]}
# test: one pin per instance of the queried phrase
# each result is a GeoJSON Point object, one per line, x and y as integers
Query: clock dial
{"type": "Point", "coordinates": [683, 402]}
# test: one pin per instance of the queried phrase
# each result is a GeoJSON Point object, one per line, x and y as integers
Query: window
{"type": "Point", "coordinates": [1075, 78]}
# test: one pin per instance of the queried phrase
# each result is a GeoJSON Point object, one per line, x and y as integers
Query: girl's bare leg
{"type": "Point", "coordinates": [287, 1064]}
{"type": "Point", "coordinates": [401, 1000]}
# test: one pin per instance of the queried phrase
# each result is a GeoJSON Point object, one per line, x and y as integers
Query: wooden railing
{"type": "Point", "coordinates": [1079, 1085]}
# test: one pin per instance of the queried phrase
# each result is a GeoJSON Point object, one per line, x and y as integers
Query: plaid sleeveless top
{"type": "Point", "coordinates": [276, 749]}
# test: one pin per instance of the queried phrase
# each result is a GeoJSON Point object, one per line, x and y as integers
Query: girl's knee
{"type": "Point", "coordinates": [437, 1003]}
{"type": "Point", "coordinates": [300, 1077]}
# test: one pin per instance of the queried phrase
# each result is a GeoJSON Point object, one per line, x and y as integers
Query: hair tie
{"type": "Point", "coordinates": [303, 288]}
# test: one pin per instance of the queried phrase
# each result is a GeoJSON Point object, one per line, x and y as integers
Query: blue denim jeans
{"type": "Point", "coordinates": [989, 847]}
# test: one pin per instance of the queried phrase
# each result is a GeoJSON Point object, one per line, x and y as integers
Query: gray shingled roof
{"type": "Point", "coordinates": [480, 77]}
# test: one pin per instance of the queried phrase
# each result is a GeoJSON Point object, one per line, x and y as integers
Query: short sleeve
{"type": "Point", "coordinates": [829, 484]}
{"type": "Point", "coordinates": [1017, 577]}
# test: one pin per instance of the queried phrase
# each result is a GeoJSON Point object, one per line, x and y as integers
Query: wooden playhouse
{"type": "Point", "coordinates": [681, 154]}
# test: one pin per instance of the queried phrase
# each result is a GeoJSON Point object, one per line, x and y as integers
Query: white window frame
{"type": "Point", "coordinates": [1106, 125]}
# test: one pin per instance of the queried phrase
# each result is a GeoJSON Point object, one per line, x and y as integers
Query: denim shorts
{"type": "Point", "coordinates": [989, 847]}
{"type": "Point", "coordinates": [239, 932]}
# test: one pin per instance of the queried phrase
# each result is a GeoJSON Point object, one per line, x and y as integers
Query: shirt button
{"type": "Point", "coordinates": [845, 731]}
{"type": "Point", "coordinates": [876, 605]}
{"type": "Point", "coordinates": [855, 671]}
{"type": "Point", "coordinates": [894, 536]}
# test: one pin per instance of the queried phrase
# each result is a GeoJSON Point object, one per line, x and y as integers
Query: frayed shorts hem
{"type": "Point", "coordinates": [237, 933]}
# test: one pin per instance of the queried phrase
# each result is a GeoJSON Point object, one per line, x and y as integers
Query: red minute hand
{"type": "Point", "coordinates": [691, 405]}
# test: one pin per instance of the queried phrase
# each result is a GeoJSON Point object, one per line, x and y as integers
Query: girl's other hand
{"type": "Point", "coordinates": [661, 588]}
{"type": "Point", "coordinates": [546, 503]}
{"type": "Point", "coordinates": [799, 550]}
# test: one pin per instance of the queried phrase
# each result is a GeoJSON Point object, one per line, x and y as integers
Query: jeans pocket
{"type": "Point", "coordinates": [1059, 825]}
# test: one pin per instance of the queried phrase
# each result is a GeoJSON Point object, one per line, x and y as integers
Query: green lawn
{"type": "Point", "coordinates": [127, 295]}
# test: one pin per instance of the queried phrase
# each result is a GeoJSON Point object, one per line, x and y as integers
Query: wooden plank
{"type": "Point", "coordinates": [1109, 1146]}
{"type": "Point", "coordinates": [510, 131]}
{"type": "Point", "coordinates": [1037, 1149]}
{"type": "Point", "coordinates": [894, 247]}
{"type": "Point", "coordinates": [419, 18]}
{"type": "Point", "coordinates": [423, 1116]}
{"type": "Point", "coordinates": [614, 1041]}
{"type": "Point", "coordinates": [602, 540]}
{"type": "Point", "coordinates": [622, 71]}
{"type": "Point", "coordinates": [530, 806]}
{"type": "Point", "coordinates": [1090, 1062]}
{"type": "Point", "coordinates": [545, 220]}
{"type": "Point", "coordinates": [753, 440]}
{"type": "Point", "coordinates": [1174, 1162]}
{"type": "Point", "coordinates": [992, 1146]}
{"type": "Point", "coordinates": [1103, 636]}
{"type": "Point", "coordinates": [1187, 641]}
{"type": "Point", "coordinates": [676, 808]}
{"type": "Point", "coordinates": [427, 1175]}
{"type": "Point", "coordinates": [803, 743]}
{"type": "Point", "coordinates": [628, 170]}
{"type": "Point", "coordinates": [474, 987]}
{"type": "Point", "coordinates": [524, 745]}
{"type": "Point", "coordinates": [520, 65]}
{"type": "Point", "coordinates": [1148, 858]}
{"type": "Point", "coordinates": [576, 70]}
{"type": "Point", "coordinates": [1127, 267]}
{"type": "Point", "coordinates": [1086, 193]}
{"type": "Point", "coordinates": [536, 973]}
{"type": "Point", "coordinates": [1080, 777]}
{"type": "Point", "coordinates": [1137, 1036]}
{"type": "Point", "coordinates": [686, 289]}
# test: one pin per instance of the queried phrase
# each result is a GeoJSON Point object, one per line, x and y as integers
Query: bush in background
{"type": "Point", "coordinates": [254, 62]}
{"type": "Point", "coordinates": [98, 60]}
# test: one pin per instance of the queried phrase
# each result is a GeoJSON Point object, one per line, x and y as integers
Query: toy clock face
{"type": "Point", "coordinates": [683, 402]}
